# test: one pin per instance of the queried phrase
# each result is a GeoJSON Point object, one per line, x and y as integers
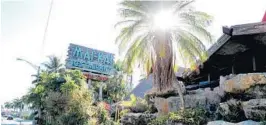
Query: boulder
{"type": "Point", "coordinates": [241, 82]}
{"type": "Point", "coordinates": [256, 92]}
{"type": "Point", "coordinates": [137, 119]}
{"type": "Point", "coordinates": [172, 104]}
{"type": "Point", "coordinates": [255, 109]}
{"type": "Point", "coordinates": [247, 122]}
{"type": "Point", "coordinates": [196, 98]}
{"type": "Point", "coordinates": [154, 91]}
{"type": "Point", "coordinates": [230, 111]}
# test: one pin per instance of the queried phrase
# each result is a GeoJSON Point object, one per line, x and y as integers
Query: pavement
{"type": "Point", "coordinates": [4, 121]}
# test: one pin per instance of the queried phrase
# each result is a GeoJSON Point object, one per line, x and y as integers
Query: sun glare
{"type": "Point", "coordinates": [163, 20]}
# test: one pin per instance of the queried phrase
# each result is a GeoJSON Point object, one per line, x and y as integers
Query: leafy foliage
{"type": "Point", "coordinates": [115, 88]}
{"type": "Point", "coordinates": [159, 121]}
{"type": "Point", "coordinates": [135, 104]}
{"type": "Point", "coordinates": [193, 116]}
{"type": "Point", "coordinates": [63, 98]}
{"type": "Point", "coordinates": [131, 102]}
{"type": "Point", "coordinates": [54, 64]}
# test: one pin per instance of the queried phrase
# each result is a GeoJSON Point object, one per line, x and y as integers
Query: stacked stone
{"type": "Point", "coordinates": [250, 89]}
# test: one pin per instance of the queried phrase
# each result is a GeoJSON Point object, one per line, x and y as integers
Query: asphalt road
{"type": "Point", "coordinates": [14, 122]}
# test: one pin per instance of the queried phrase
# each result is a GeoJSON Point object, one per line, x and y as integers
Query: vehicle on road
{"type": "Point", "coordinates": [10, 118]}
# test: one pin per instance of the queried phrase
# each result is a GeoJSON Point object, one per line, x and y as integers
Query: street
{"type": "Point", "coordinates": [4, 121]}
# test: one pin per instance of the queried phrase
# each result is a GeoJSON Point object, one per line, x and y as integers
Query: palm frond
{"type": "Point", "coordinates": [197, 23]}
{"type": "Point", "coordinates": [181, 5]}
{"type": "Point", "coordinates": [127, 33]}
{"type": "Point", "coordinates": [135, 51]}
{"type": "Point", "coordinates": [134, 5]}
{"type": "Point", "coordinates": [125, 22]}
{"type": "Point", "coordinates": [130, 13]}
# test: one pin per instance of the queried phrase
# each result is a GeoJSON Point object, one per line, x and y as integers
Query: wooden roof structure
{"type": "Point", "coordinates": [241, 49]}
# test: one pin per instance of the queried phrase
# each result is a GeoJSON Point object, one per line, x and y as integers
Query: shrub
{"type": "Point", "coordinates": [191, 116]}
{"type": "Point", "coordinates": [136, 105]}
{"type": "Point", "coordinates": [159, 121]}
{"type": "Point", "coordinates": [140, 106]}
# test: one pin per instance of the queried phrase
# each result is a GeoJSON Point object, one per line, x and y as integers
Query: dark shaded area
{"type": "Point", "coordinates": [241, 51]}
{"type": "Point", "coordinates": [234, 114]}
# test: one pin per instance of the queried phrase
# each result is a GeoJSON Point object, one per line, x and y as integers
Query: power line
{"type": "Point", "coordinates": [46, 27]}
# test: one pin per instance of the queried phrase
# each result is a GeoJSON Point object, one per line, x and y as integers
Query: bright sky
{"type": "Point", "coordinates": [84, 22]}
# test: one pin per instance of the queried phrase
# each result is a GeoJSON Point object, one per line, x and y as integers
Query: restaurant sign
{"type": "Point", "coordinates": [90, 60]}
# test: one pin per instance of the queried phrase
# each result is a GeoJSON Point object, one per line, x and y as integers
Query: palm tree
{"type": "Point", "coordinates": [116, 86]}
{"type": "Point", "coordinates": [8, 105]}
{"type": "Point", "coordinates": [54, 64]}
{"type": "Point", "coordinates": [157, 48]}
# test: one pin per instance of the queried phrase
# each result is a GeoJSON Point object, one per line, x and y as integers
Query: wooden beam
{"type": "Point", "coordinates": [209, 78]}
{"type": "Point", "coordinates": [247, 29]}
{"type": "Point", "coordinates": [254, 63]}
{"type": "Point", "coordinates": [233, 69]}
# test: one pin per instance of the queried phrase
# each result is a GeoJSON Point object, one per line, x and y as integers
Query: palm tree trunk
{"type": "Point", "coordinates": [164, 76]}
{"type": "Point", "coordinates": [163, 71]}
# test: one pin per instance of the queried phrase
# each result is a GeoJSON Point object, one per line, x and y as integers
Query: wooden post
{"type": "Point", "coordinates": [101, 91]}
{"type": "Point", "coordinates": [209, 78]}
{"type": "Point", "coordinates": [233, 69]}
{"type": "Point", "coordinates": [89, 83]}
{"type": "Point", "coordinates": [254, 63]}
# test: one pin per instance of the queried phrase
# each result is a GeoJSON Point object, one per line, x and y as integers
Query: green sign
{"type": "Point", "coordinates": [88, 59]}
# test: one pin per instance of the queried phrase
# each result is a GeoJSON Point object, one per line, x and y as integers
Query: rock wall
{"type": "Point", "coordinates": [250, 90]}
{"type": "Point", "coordinates": [197, 98]}
{"type": "Point", "coordinates": [241, 82]}
{"type": "Point", "coordinates": [255, 109]}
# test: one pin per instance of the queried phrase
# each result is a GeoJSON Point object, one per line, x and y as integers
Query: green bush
{"type": "Point", "coordinates": [191, 116]}
{"type": "Point", "coordinates": [159, 120]}
{"type": "Point", "coordinates": [136, 105]}
{"type": "Point", "coordinates": [140, 106]}
{"type": "Point", "coordinates": [29, 117]}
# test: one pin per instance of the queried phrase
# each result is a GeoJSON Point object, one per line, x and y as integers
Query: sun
{"type": "Point", "coordinates": [164, 20]}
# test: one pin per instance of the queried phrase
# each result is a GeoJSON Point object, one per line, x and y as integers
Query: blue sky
{"type": "Point", "coordinates": [83, 22]}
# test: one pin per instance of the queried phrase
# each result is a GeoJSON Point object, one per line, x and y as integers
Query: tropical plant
{"type": "Point", "coordinates": [18, 104]}
{"type": "Point", "coordinates": [190, 116]}
{"type": "Point", "coordinates": [8, 105]}
{"type": "Point", "coordinates": [156, 49]}
{"type": "Point", "coordinates": [54, 64]}
{"type": "Point", "coordinates": [63, 99]}
{"type": "Point", "coordinates": [131, 102]}
{"type": "Point", "coordinates": [116, 87]}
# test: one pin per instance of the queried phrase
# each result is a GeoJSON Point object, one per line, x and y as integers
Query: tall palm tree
{"type": "Point", "coordinates": [8, 105]}
{"type": "Point", "coordinates": [54, 64]}
{"type": "Point", "coordinates": [159, 49]}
